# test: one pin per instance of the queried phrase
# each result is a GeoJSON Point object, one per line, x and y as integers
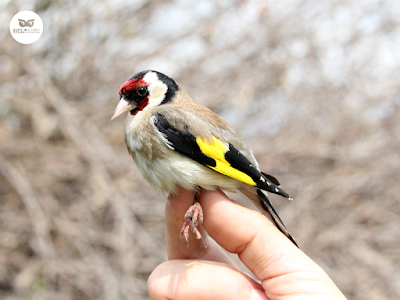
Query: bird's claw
{"type": "Point", "coordinates": [193, 218]}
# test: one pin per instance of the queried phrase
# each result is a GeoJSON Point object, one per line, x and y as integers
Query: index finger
{"type": "Point", "coordinates": [260, 245]}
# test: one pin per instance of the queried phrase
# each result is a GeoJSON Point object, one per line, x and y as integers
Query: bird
{"type": "Point", "coordinates": [177, 142]}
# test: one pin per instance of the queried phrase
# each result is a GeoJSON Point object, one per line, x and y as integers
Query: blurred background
{"type": "Point", "coordinates": [313, 86]}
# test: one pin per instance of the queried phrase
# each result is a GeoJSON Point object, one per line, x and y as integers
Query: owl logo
{"type": "Point", "coordinates": [24, 23]}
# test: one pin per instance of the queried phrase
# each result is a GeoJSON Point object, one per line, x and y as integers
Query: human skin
{"type": "Point", "coordinates": [199, 273]}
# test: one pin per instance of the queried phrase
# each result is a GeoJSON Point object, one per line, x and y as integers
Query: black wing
{"type": "Point", "coordinates": [225, 159]}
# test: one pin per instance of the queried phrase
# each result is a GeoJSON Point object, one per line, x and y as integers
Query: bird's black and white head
{"type": "Point", "coordinates": [145, 90]}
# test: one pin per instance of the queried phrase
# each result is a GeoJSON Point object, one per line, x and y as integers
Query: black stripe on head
{"type": "Point", "coordinates": [182, 142]}
{"type": "Point", "coordinates": [173, 87]}
{"type": "Point", "coordinates": [139, 75]}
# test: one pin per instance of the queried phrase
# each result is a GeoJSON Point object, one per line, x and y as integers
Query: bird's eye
{"type": "Point", "coordinates": [142, 91]}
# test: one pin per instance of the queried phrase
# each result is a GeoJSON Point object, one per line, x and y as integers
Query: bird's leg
{"type": "Point", "coordinates": [193, 218]}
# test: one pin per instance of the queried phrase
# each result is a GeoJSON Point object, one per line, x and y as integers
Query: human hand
{"type": "Point", "coordinates": [200, 273]}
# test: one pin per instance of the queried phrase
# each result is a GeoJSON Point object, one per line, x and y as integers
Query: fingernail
{"type": "Point", "coordinates": [258, 295]}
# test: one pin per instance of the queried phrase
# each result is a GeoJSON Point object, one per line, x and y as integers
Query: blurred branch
{"type": "Point", "coordinates": [15, 175]}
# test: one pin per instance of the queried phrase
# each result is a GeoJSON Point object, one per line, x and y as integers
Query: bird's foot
{"type": "Point", "coordinates": [193, 218]}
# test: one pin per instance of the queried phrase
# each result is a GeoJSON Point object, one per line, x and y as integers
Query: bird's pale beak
{"type": "Point", "coordinates": [122, 107]}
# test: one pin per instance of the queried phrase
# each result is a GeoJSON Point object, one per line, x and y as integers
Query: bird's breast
{"type": "Point", "coordinates": [138, 132]}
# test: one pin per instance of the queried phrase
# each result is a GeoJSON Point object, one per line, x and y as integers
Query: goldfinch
{"type": "Point", "coordinates": [176, 142]}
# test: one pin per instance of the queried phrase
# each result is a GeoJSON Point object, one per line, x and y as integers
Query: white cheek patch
{"type": "Point", "coordinates": [157, 89]}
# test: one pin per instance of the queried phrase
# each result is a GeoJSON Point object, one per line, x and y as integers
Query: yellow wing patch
{"type": "Point", "coordinates": [216, 150]}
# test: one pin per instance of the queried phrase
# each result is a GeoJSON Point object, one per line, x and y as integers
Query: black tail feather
{"type": "Point", "coordinates": [271, 184]}
{"type": "Point", "coordinates": [266, 204]}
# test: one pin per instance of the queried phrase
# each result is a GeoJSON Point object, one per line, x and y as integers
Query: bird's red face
{"type": "Point", "coordinates": [133, 97]}
{"type": "Point", "coordinates": [144, 90]}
